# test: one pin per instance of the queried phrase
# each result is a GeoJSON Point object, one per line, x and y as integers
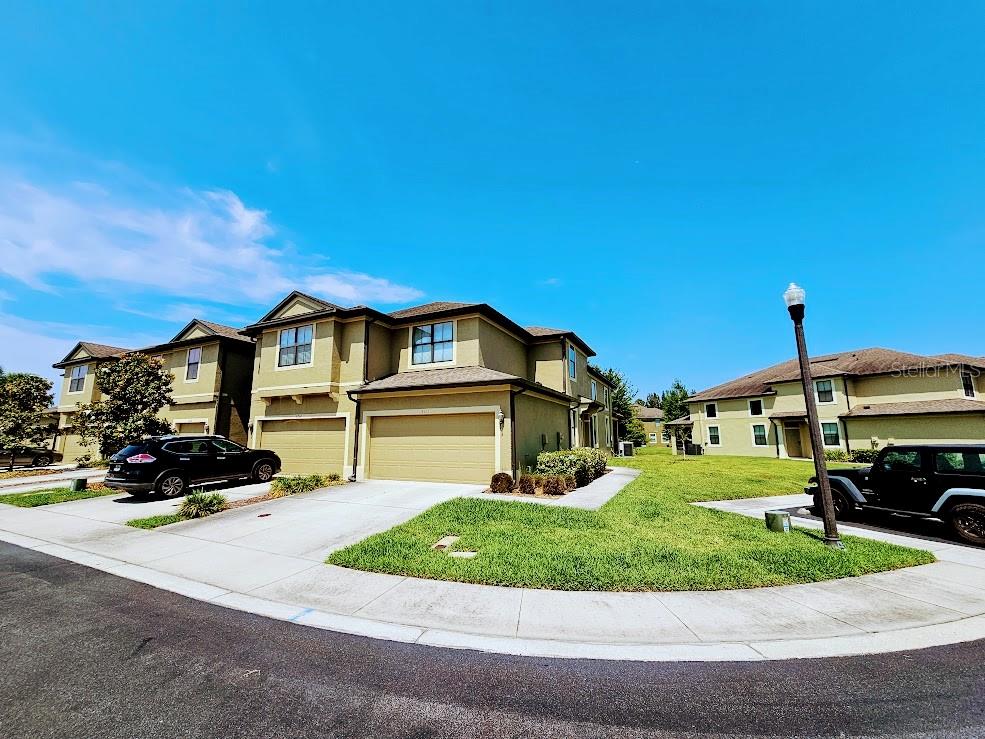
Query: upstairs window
{"type": "Point", "coordinates": [194, 360]}
{"type": "Point", "coordinates": [830, 432]}
{"type": "Point", "coordinates": [78, 380]}
{"type": "Point", "coordinates": [295, 346]}
{"type": "Point", "coordinates": [595, 390]}
{"type": "Point", "coordinates": [825, 391]}
{"type": "Point", "coordinates": [756, 407]}
{"type": "Point", "coordinates": [572, 363]}
{"type": "Point", "coordinates": [711, 410]}
{"type": "Point", "coordinates": [434, 343]}
{"type": "Point", "coordinates": [968, 384]}
{"type": "Point", "coordinates": [605, 395]}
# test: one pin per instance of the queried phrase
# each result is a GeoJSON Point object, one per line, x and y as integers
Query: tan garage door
{"type": "Point", "coordinates": [184, 427]}
{"type": "Point", "coordinates": [306, 445]}
{"type": "Point", "coordinates": [450, 448]}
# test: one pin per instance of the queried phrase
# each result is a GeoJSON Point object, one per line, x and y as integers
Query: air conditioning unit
{"type": "Point", "coordinates": [625, 449]}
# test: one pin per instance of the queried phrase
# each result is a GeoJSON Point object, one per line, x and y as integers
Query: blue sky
{"type": "Point", "coordinates": [651, 175]}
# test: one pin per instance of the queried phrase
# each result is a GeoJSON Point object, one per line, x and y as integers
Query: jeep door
{"type": "Point", "coordinates": [956, 468]}
{"type": "Point", "coordinates": [903, 479]}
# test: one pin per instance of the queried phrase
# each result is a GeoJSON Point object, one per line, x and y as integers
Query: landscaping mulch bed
{"type": "Point", "coordinates": [8, 475]}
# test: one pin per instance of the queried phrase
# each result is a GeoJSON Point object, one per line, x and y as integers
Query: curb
{"type": "Point", "coordinates": [970, 628]}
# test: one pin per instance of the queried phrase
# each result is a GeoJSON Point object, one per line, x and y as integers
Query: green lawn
{"type": "Point", "coordinates": [53, 495]}
{"type": "Point", "coordinates": [152, 522]}
{"type": "Point", "coordinates": [648, 537]}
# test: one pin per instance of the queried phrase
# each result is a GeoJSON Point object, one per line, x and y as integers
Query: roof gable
{"type": "Point", "coordinates": [85, 350]}
{"type": "Point", "coordinates": [199, 329]}
{"type": "Point", "coordinates": [297, 304]}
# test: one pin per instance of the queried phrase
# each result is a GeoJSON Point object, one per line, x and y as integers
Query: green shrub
{"type": "Point", "coordinates": [554, 485]}
{"type": "Point", "coordinates": [836, 455]}
{"type": "Point", "coordinates": [502, 483]}
{"type": "Point", "coordinates": [200, 505]}
{"type": "Point", "coordinates": [294, 484]}
{"type": "Point", "coordinates": [583, 463]}
{"type": "Point", "coordinates": [866, 456]}
{"type": "Point", "coordinates": [526, 485]}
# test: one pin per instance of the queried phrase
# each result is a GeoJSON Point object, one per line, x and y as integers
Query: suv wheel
{"type": "Point", "coordinates": [42, 460]}
{"type": "Point", "coordinates": [968, 522]}
{"type": "Point", "coordinates": [843, 509]}
{"type": "Point", "coordinates": [171, 485]}
{"type": "Point", "coordinates": [263, 472]}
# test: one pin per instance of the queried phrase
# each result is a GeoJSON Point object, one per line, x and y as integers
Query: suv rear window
{"type": "Point", "coordinates": [968, 463]}
{"type": "Point", "coordinates": [188, 446]}
{"type": "Point", "coordinates": [130, 450]}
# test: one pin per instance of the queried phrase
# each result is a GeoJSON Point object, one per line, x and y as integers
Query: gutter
{"type": "Point", "coordinates": [513, 394]}
{"type": "Point", "coordinates": [358, 402]}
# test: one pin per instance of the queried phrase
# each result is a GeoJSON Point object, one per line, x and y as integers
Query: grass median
{"type": "Point", "coordinates": [50, 496]}
{"type": "Point", "coordinates": [648, 538]}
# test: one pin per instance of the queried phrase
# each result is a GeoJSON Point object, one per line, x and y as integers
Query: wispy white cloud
{"type": "Point", "coordinates": [196, 245]}
{"type": "Point", "coordinates": [551, 281]}
{"type": "Point", "coordinates": [184, 312]}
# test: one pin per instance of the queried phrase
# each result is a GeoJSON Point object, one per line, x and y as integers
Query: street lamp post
{"type": "Point", "coordinates": [794, 296]}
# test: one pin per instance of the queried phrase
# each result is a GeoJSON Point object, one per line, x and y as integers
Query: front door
{"type": "Point", "coordinates": [791, 439]}
{"type": "Point", "coordinates": [902, 480]}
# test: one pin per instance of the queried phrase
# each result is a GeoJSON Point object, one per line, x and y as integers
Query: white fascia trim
{"type": "Point", "coordinates": [194, 395]}
{"type": "Point", "coordinates": [971, 492]}
{"type": "Point", "coordinates": [295, 387]}
{"type": "Point", "coordinates": [257, 435]}
{"type": "Point", "coordinates": [495, 410]}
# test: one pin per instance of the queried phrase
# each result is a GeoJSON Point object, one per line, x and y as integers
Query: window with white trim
{"type": "Point", "coordinates": [78, 378]}
{"type": "Point", "coordinates": [193, 363]}
{"type": "Point", "coordinates": [711, 410]}
{"type": "Point", "coordinates": [605, 395]}
{"type": "Point", "coordinates": [433, 342]}
{"type": "Point", "coordinates": [756, 407]}
{"type": "Point", "coordinates": [714, 436]}
{"type": "Point", "coordinates": [759, 434]}
{"type": "Point", "coordinates": [572, 363]}
{"type": "Point", "coordinates": [825, 391]}
{"type": "Point", "coordinates": [595, 390]}
{"type": "Point", "coordinates": [608, 431]}
{"type": "Point", "coordinates": [831, 435]}
{"type": "Point", "coordinates": [968, 384]}
{"type": "Point", "coordinates": [295, 346]}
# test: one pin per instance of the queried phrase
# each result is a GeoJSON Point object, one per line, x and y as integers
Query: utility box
{"type": "Point", "coordinates": [625, 449]}
{"type": "Point", "coordinates": [78, 484]}
{"type": "Point", "coordinates": [778, 521]}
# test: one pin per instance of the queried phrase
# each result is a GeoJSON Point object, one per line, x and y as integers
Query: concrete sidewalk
{"type": "Point", "coordinates": [268, 559]}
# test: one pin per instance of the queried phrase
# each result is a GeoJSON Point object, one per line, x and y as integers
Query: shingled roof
{"type": "Point", "coordinates": [428, 308]}
{"type": "Point", "coordinates": [451, 377]}
{"type": "Point", "coordinates": [645, 413]}
{"type": "Point", "coordinates": [95, 351]}
{"type": "Point", "coordinates": [873, 361]}
{"type": "Point", "coordinates": [917, 408]}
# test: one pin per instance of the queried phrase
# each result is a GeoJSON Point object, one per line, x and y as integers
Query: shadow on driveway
{"type": "Point", "coordinates": [928, 529]}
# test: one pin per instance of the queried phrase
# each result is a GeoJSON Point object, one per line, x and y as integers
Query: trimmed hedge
{"type": "Point", "coordinates": [582, 463]}
{"type": "Point", "coordinates": [836, 455]}
{"type": "Point", "coordinates": [867, 456]}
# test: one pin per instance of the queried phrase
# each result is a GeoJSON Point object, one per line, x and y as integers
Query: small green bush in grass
{"type": "Point", "coordinates": [836, 455]}
{"type": "Point", "coordinates": [200, 505]}
{"type": "Point", "coordinates": [865, 456]}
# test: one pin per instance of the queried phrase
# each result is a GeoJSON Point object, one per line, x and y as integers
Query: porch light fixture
{"type": "Point", "coordinates": [794, 296]}
{"type": "Point", "coordinates": [501, 417]}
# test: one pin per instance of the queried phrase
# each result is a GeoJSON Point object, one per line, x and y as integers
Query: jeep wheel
{"type": "Point", "coordinates": [171, 485]}
{"type": "Point", "coordinates": [263, 472]}
{"type": "Point", "coordinates": [843, 509]}
{"type": "Point", "coordinates": [968, 522]}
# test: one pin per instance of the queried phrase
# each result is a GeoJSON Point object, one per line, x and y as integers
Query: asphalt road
{"type": "Point", "coordinates": [84, 653]}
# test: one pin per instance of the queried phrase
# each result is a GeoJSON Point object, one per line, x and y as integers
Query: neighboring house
{"type": "Point", "coordinates": [652, 420]}
{"type": "Point", "coordinates": [212, 366]}
{"type": "Point", "coordinates": [866, 399]}
{"type": "Point", "coordinates": [442, 392]}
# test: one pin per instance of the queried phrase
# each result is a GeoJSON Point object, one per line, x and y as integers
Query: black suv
{"type": "Point", "coordinates": [169, 464]}
{"type": "Point", "coordinates": [945, 481]}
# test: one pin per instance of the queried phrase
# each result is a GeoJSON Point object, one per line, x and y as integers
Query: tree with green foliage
{"type": "Point", "coordinates": [24, 400]}
{"type": "Point", "coordinates": [135, 388]}
{"type": "Point", "coordinates": [653, 400]}
{"type": "Point", "coordinates": [673, 402]}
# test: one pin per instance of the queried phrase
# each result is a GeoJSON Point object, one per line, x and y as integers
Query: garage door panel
{"type": "Point", "coordinates": [438, 448]}
{"type": "Point", "coordinates": [306, 446]}
{"type": "Point", "coordinates": [186, 427]}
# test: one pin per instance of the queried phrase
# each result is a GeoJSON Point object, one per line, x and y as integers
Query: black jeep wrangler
{"type": "Point", "coordinates": [945, 481]}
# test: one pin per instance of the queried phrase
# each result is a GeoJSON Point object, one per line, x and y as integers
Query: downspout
{"type": "Point", "coordinates": [220, 358]}
{"type": "Point", "coordinates": [776, 437]}
{"type": "Point", "coordinates": [513, 459]}
{"type": "Point", "coordinates": [358, 421]}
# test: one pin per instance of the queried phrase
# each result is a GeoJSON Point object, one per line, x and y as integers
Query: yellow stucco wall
{"type": "Point", "coordinates": [176, 362]}
{"type": "Point", "coordinates": [895, 389]}
{"type": "Point", "coordinates": [267, 374]}
{"type": "Point", "coordinates": [546, 365]}
{"type": "Point", "coordinates": [538, 420]}
{"type": "Point", "coordinates": [915, 430]}
{"type": "Point", "coordinates": [501, 351]}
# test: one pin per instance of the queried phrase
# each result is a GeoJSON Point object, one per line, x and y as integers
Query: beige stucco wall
{"type": "Point", "coordinates": [892, 389]}
{"type": "Point", "coordinates": [466, 352]}
{"type": "Point", "coordinates": [915, 430]}
{"type": "Point", "coordinates": [501, 351]}
{"type": "Point", "coordinates": [89, 390]}
{"type": "Point", "coordinates": [267, 374]}
{"type": "Point", "coordinates": [537, 417]}
{"type": "Point", "coordinates": [654, 427]}
{"type": "Point", "coordinates": [382, 360]}
{"type": "Point", "coordinates": [546, 365]}
{"type": "Point", "coordinates": [176, 362]}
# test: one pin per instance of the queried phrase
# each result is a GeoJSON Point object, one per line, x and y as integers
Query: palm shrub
{"type": "Point", "coordinates": [294, 484]}
{"type": "Point", "coordinates": [200, 505]}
